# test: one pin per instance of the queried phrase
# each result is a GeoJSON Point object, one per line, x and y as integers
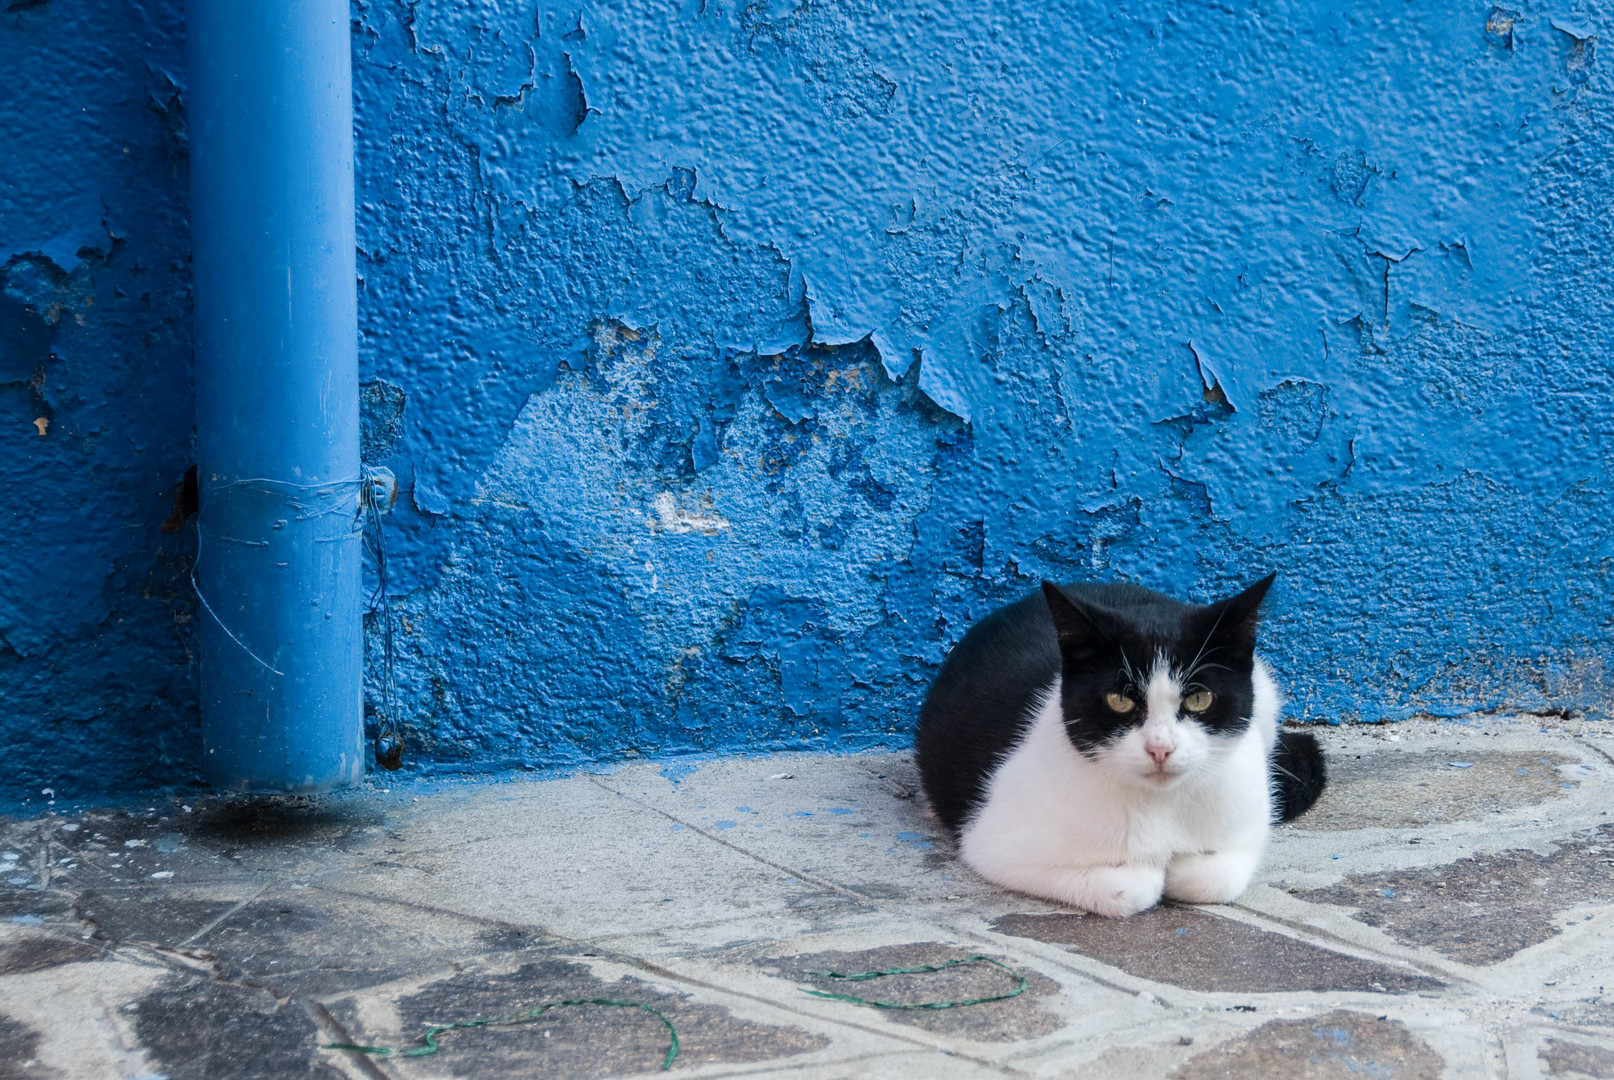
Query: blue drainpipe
{"type": "Point", "coordinates": [279, 561]}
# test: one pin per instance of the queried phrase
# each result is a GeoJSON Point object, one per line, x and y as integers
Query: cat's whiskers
{"type": "Point", "coordinates": [1287, 773]}
{"type": "Point", "coordinates": [1194, 663]}
{"type": "Point", "coordinates": [1195, 668]}
{"type": "Point", "coordinates": [1132, 682]}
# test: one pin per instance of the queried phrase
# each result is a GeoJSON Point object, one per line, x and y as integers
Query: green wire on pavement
{"type": "Point", "coordinates": [431, 1045]}
{"type": "Point", "coordinates": [921, 970]}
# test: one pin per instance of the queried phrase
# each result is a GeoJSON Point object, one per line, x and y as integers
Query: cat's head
{"type": "Point", "coordinates": [1153, 689]}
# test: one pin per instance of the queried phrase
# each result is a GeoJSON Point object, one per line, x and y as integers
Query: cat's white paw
{"type": "Point", "coordinates": [1118, 891]}
{"type": "Point", "coordinates": [1217, 878]}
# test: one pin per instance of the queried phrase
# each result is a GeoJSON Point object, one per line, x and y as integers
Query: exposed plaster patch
{"type": "Point", "coordinates": [1351, 175]}
{"type": "Point", "coordinates": [1501, 26]}
{"type": "Point", "coordinates": [1582, 51]}
{"type": "Point", "coordinates": [678, 671]}
{"type": "Point", "coordinates": [673, 518]}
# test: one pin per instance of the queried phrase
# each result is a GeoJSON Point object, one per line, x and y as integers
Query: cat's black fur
{"type": "Point", "coordinates": [1092, 635]}
{"type": "Point", "coordinates": [1298, 773]}
{"type": "Point", "coordinates": [1109, 634]}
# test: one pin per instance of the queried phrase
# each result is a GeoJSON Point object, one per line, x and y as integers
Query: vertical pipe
{"type": "Point", "coordinates": [277, 414]}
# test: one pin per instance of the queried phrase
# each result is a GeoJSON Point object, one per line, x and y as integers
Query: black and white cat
{"type": "Point", "coordinates": [1104, 745]}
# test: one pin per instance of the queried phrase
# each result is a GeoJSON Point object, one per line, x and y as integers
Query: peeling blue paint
{"type": "Point", "coordinates": [97, 689]}
{"type": "Point", "coordinates": [826, 331]}
{"type": "Point", "coordinates": [735, 358]}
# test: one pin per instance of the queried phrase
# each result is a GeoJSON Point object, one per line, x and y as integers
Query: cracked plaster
{"type": "Point", "coordinates": [735, 358]}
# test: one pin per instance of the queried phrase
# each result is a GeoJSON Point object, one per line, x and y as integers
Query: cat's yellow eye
{"type": "Point", "coordinates": [1119, 702]}
{"type": "Point", "coordinates": [1198, 701]}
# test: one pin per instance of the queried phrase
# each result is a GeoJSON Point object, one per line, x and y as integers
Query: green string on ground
{"type": "Point", "coordinates": [431, 1045]}
{"type": "Point", "coordinates": [921, 970]}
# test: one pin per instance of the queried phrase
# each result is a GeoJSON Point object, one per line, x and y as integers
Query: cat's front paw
{"type": "Point", "coordinates": [1217, 878]}
{"type": "Point", "coordinates": [1118, 891]}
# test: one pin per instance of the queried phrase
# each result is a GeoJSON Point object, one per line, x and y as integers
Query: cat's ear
{"type": "Point", "coordinates": [1079, 627]}
{"type": "Point", "coordinates": [1232, 621]}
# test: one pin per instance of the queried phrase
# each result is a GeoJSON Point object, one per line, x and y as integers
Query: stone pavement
{"type": "Point", "coordinates": [1446, 911]}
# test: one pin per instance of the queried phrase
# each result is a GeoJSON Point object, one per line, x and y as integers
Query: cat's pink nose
{"type": "Point", "coordinates": [1159, 753]}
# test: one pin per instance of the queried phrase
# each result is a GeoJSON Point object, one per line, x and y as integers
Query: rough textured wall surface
{"type": "Point", "coordinates": [97, 688]}
{"type": "Point", "coordinates": [735, 358]}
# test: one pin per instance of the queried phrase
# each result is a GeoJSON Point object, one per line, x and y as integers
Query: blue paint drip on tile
{"type": "Point", "coordinates": [678, 770]}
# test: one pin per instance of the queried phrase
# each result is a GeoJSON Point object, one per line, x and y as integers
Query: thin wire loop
{"type": "Point", "coordinates": [923, 969]}
{"type": "Point", "coordinates": [389, 733]}
{"type": "Point", "coordinates": [431, 1045]}
{"type": "Point", "coordinates": [333, 486]}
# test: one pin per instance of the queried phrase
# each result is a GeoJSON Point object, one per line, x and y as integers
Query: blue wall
{"type": "Point", "coordinates": [97, 688]}
{"type": "Point", "coordinates": [735, 359]}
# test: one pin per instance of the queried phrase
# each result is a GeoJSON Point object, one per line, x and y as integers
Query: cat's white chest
{"type": "Point", "coordinates": [1050, 811]}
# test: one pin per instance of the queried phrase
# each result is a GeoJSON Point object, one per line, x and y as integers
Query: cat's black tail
{"type": "Point", "coordinates": [1298, 773]}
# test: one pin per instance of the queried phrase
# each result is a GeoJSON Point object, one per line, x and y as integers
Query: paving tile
{"type": "Point", "coordinates": [575, 1042]}
{"type": "Point", "coordinates": [1587, 1012]}
{"type": "Point", "coordinates": [1397, 788]}
{"type": "Point", "coordinates": [119, 850]}
{"type": "Point", "coordinates": [18, 903]}
{"type": "Point", "coordinates": [1017, 1018]}
{"type": "Point", "coordinates": [148, 916]}
{"type": "Point", "coordinates": [908, 1064]}
{"type": "Point", "coordinates": [1481, 909]}
{"type": "Point", "coordinates": [857, 822]}
{"type": "Point", "coordinates": [1560, 1057]}
{"type": "Point", "coordinates": [318, 943]}
{"type": "Point", "coordinates": [199, 1029]}
{"type": "Point", "coordinates": [1341, 1045]}
{"type": "Point", "coordinates": [221, 823]}
{"type": "Point", "coordinates": [1150, 1061]}
{"type": "Point", "coordinates": [1198, 951]}
{"type": "Point", "coordinates": [20, 1058]}
{"type": "Point", "coordinates": [274, 825]}
{"type": "Point", "coordinates": [36, 952]}
{"type": "Point", "coordinates": [717, 893]}
{"type": "Point", "coordinates": [75, 1019]}
{"type": "Point", "coordinates": [598, 865]}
